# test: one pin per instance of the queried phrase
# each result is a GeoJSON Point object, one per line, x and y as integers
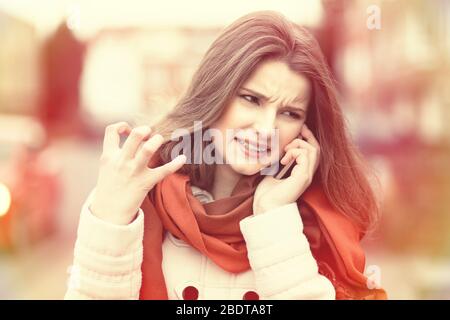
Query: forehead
{"type": "Point", "coordinates": [275, 79]}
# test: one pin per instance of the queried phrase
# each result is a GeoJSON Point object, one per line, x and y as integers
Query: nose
{"type": "Point", "coordinates": [265, 122]}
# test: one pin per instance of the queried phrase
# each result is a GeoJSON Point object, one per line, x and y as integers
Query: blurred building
{"type": "Point", "coordinates": [75, 67]}
{"type": "Point", "coordinates": [19, 67]}
{"type": "Point", "coordinates": [62, 60]}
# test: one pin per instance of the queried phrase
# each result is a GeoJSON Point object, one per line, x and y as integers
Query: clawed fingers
{"type": "Point", "coordinates": [148, 149]}
{"type": "Point", "coordinates": [111, 139]}
{"type": "Point", "coordinates": [160, 172]}
{"type": "Point", "coordinates": [136, 137]}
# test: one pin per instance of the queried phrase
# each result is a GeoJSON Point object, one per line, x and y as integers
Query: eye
{"type": "Point", "coordinates": [250, 98]}
{"type": "Point", "coordinates": [291, 114]}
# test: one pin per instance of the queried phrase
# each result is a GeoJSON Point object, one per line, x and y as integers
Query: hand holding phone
{"type": "Point", "coordinates": [300, 163]}
{"type": "Point", "coordinates": [285, 170]}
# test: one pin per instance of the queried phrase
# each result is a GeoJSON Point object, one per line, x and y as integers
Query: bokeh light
{"type": "Point", "coordinates": [70, 67]}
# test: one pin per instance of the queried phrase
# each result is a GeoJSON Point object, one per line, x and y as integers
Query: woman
{"type": "Point", "coordinates": [161, 226]}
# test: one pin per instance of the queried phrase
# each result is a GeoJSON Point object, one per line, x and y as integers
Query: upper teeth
{"type": "Point", "coordinates": [252, 146]}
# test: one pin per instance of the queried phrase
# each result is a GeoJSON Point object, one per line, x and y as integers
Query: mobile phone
{"type": "Point", "coordinates": [285, 171]}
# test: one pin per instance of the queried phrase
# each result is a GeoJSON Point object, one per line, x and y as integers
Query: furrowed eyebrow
{"type": "Point", "coordinates": [257, 94]}
{"type": "Point", "coordinates": [263, 97]}
{"type": "Point", "coordinates": [294, 109]}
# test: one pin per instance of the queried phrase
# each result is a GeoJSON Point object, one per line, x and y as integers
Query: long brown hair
{"type": "Point", "coordinates": [230, 60]}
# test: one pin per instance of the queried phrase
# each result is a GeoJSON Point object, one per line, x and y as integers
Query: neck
{"type": "Point", "coordinates": [225, 179]}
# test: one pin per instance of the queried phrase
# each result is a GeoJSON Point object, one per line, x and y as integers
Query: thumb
{"type": "Point", "coordinates": [169, 168]}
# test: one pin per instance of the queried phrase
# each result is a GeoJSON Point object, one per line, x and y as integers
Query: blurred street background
{"type": "Point", "coordinates": [69, 68]}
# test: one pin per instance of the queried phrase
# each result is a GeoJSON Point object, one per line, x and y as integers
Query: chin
{"type": "Point", "coordinates": [246, 169]}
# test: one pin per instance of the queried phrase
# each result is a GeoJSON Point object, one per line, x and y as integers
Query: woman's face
{"type": "Point", "coordinates": [273, 97]}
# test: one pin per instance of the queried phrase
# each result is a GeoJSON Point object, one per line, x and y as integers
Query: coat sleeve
{"type": "Point", "coordinates": [281, 258]}
{"type": "Point", "coordinates": [107, 258]}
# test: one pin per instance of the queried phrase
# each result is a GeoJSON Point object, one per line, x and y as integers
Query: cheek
{"type": "Point", "coordinates": [227, 119]}
{"type": "Point", "coordinates": [230, 119]}
{"type": "Point", "coordinates": [237, 115]}
{"type": "Point", "coordinates": [289, 133]}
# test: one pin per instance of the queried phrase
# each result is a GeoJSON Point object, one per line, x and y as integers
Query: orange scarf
{"type": "Point", "coordinates": [213, 229]}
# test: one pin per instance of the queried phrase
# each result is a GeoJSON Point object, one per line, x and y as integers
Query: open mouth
{"type": "Point", "coordinates": [251, 148]}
